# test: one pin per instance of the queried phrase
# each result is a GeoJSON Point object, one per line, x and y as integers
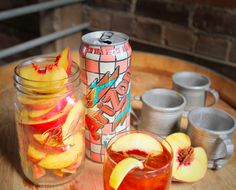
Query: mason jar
{"type": "Point", "coordinates": [50, 124]}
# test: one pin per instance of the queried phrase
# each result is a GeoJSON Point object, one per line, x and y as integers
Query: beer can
{"type": "Point", "coordinates": [105, 59]}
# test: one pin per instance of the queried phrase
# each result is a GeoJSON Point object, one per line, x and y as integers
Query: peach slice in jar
{"type": "Point", "coordinates": [64, 159]}
{"type": "Point", "coordinates": [77, 163]}
{"type": "Point", "coordinates": [64, 60]}
{"type": "Point", "coordinates": [43, 125]}
{"type": "Point", "coordinates": [50, 143]}
{"type": "Point", "coordinates": [38, 115]}
{"type": "Point", "coordinates": [34, 154]}
{"type": "Point", "coordinates": [36, 104]}
{"type": "Point", "coordinates": [37, 172]}
{"type": "Point", "coordinates": [72, 119]}
{"type": "Point", "coordinates": [45, 78]}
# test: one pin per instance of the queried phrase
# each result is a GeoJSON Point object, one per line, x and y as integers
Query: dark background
{"type": "Point", "coordinates": [201, 31]}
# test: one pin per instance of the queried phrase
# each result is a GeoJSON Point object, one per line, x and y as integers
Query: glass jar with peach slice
{"type": "Point", "coordinates": [137, 160]}
{"type": "Point", "coordinates": [49, 119]}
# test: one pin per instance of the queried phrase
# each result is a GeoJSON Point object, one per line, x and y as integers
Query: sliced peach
{"type": "Point", "coordinates": [43, 103]}
{"type": "Point", "coordinates": [59, 146]}
{"type": "Point", "coordinates": [64, 159]}
{"type": "Point", "coordinates": [64, 60]}
{"type": "Point", "coordinates": [49, 143]}
{"type": "Point", "coordinates": [64, 170]}
{"type": "Point", "coordinates": [45, 79]}
{"type": "Point", "coordinates": [41, 138]}
{"type": "Point", "coordinates": [122, 169]}
{"type": "Point", "coordinates": [35, 154]}
{"type": "Point", "coordinates": [36, 104]}
{"type": "Point", "coordinates": [47, 113]}
{"type": "Point", "coordinates": [37, 172]}
{"type": "Point", "coordinates": [41, 127]}
{"type": "Point", "coordinates": [71, 121]}
{"type": "Point", "coordinates": [44, 125]}
{"type": "Point", "coordinates": [137, 141]}
{"type": "Point", "coordinates": [77, 163]}
{"type": "Point", "coordinates": [58, 172]}
{"type": "Point", "coordinates": [189, 164]}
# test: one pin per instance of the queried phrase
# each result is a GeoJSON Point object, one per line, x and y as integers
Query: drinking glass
{"type": "Point", "coordinates": [157, 166]}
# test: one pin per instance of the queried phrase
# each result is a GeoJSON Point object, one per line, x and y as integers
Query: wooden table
{"type": "Point", "coordinates": [148, 71]}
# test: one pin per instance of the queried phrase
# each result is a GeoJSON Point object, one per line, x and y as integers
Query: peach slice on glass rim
{"type": "Point", "coordinates": [189, 163]}
{"type": "Point", "coordinates": [122, 169]}
{"type": "Point", "coordinates": [137, 141]}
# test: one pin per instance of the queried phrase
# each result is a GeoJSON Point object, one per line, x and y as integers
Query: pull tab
{"type": "Point", "coordinates": [105, 38]}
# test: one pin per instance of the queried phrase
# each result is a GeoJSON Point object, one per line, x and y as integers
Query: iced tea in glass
{"type": "Point", "coordinates": [137, 160]}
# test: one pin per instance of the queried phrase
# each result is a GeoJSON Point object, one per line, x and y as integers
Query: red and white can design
{"type": "Point", "coordinates": [105, 58]}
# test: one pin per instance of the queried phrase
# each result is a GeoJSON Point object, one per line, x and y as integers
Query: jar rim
{"type": "Point", "coordinates": [39, 59]}
{"type": "Point", "coordinates": [31, 87]}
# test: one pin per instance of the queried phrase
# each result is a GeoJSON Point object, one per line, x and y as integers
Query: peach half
{"type": "Point", "coordinates": [137, 141]}
{"type": "Point", "coordinates": [189, 163]}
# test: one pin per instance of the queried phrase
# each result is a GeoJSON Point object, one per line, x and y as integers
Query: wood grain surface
{"type": "Point", "coordinates": [148, 71]}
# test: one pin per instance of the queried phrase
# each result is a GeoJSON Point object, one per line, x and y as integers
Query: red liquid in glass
{"type": "Point", "coordinates": [156, 174]}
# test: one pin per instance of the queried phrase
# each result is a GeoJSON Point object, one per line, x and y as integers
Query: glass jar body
{"type": "Point", "coordinates": [50, 127]}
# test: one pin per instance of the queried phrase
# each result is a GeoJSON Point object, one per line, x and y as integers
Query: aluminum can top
{"type": "Point", "coordinates": [104, 38]}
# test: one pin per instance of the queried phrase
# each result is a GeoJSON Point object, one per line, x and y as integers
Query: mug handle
{"type": "Point", "coordinates": [215, 95]}
{"type": "Point", "coordinates": [183, 125]}
{"type": "Point", "coordinates": [219, 163]}
{"type": "Point", "coordinates": [229, 146]}
{"type": "Point", "coordinates": [135, 98]}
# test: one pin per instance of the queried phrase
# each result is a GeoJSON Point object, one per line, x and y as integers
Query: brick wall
{"type": "Point", "coordinates": [59, 19]}
{"type": "Point", "coordinates": [201, 30]}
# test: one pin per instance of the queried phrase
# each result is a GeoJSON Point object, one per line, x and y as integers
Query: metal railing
{"type": "Point", "coordinates": [43, 39]}
{"type": "Point", "coordinates": [35, 8]}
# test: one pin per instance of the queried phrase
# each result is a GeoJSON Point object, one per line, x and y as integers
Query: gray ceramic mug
{"type": "Point", "coordinates": [161, 111]}
{"type": "Point", "coordinates": [194, 86]}
{"type": "Point", "coordinates": [212, 129]}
